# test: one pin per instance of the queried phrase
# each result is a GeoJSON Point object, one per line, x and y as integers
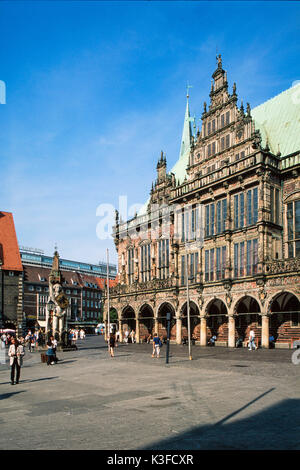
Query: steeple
{"type": "Point", "coordinates": [186, 138]}
{"type": "Point", "coordinates": [55, 274]}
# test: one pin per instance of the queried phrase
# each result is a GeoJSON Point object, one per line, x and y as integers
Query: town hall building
{"type": "Point", "coordinates": [226, 222]}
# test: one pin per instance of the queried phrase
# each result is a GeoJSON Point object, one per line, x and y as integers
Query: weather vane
{"type": "Point", "coordinates": [187, 89]}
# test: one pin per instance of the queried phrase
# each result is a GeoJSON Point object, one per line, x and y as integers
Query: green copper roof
{"type": "Point", "coordinates": [278, 120]}
{"type": "Point", "coordinates": [179, 169]}
{"type": "Point", "coordinates": [186, 133]}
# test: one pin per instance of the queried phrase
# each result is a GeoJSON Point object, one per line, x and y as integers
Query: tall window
{"type": "Point", "coordinates": [239, 259]}
{"type": "Point", "coordinates": [275, 205]}
{"type": "Point", "coordinates": [215, 217]}
{"type": "Point", "coordinates": [182, 227]}
{"type": "Point", "coordinates": [293, 228]}
{"type": "Point", "coordinates": [131, 265]}
{"type": "Point", "coordinates": [163, 259]}
{"type": "Point", "coordinates": [250, 256]}
{"type": "Point", "coordinates": [193, 266]}
{"type": "Point", "coordinates": [190, 223]}
{"type": "Point", "coordinates": [209, 264]}
{"type": "Point", "coordinates": [211, 149]}
{"type": "Point", "coordinates": [221, 215]}
{"type": "Point", "coordinates": [252, 206]}
{"type": "Point", "coordinates": [239, 210]}
{"type": "Point", "coordinates": [220, 262]}
{"type": "Point", "coordinates": [145, 263]}
{"type": "Point", "coordinates": [227, 141]}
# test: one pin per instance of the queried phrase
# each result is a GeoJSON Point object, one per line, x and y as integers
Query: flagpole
{"type": "Point", "coordinates": [108, 305]}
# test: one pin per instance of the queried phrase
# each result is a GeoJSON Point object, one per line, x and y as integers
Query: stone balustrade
{"type": "Point", "coordinates": [283, 266]}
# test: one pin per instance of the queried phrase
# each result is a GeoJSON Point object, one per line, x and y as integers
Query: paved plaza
{"type": "Point", "coordinates": [222, 399]}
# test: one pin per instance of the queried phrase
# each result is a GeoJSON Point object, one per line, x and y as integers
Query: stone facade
{"type": "Point", "coordinates": [233, 224]}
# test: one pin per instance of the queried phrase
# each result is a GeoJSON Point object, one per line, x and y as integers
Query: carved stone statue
{"type": "Point", "coordinates": [57, 305]}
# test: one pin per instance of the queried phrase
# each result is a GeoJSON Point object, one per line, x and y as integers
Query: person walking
{"type": "Point", "coordinates": [81, 334]}
{"type": "Point", "coordinates": [117, 338]}
{"type": "Point", "coordinates": [3, 341]}
{"type": "Point", "coordinates": [252, 340]}
{"type": "Point", "coordinates": [156, 345]}
{"type": "Point", "coordinates": [112, 343]}
{"type": "Point", "coordinates": [132, 336]}
{"type": "Point", "coordinates": [70, 338]}
{"type": "Point", "coordinates": [126, 336]}
{"type": "Point", "coordinates": [15, 353]}
{"type": "Point", "coordinates": [33, 341]}
{"type": "Point", "coordinates": [40, 340]}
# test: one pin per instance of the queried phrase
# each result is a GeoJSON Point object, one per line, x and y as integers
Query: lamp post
{"type": "Point", "coordinates": [168, 336]}
{"type": "Point", "coordinates": [188, 308]}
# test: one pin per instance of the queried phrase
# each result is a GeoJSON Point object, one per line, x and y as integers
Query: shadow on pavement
{"type": "Point", "coordinates": [276, 427]}
{"type": "Point", "coordinates": [37, 380]}
{"type": "Point", "coordinates": [8, 395]}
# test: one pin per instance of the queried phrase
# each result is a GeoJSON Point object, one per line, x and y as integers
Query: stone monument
{"type": "Point", "coordinates": [57, 305]}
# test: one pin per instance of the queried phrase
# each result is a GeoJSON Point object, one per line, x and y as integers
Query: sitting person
{"type": "Point", "coordinates": [239, 342]}
{"type": "Point", "coordinates": [148, 338]}
{"type": "Point", "coordinates": [50, 353]}
{"type": "Point", "coordinates": [212, 341]}
{"type": "Point", "coordinates": [271, 342]}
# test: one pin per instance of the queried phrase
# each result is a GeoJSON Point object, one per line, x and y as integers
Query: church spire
{"type": "Point", "coordinates": [186, 138]}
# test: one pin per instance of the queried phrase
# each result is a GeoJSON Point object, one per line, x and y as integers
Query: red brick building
{"type": "Point", "coordinates": [11, 274]}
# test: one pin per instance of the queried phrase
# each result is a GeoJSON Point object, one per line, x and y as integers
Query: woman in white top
{"type": "Point", "coordinates": [15, 354]}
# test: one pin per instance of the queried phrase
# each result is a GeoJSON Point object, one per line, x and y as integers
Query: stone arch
{"type": "Point", "coordinates": [248, 316]}
{"type": "Point", "coordinates": [128, 318]}
{"type": "Point", "coordinates": [161, 318]}
{"type": "Point", "coordinates": [277, 294]}
{"type": "Point", "coordinates": [146, 321]}
{"type": "Point", "coordinates": [194, 318]}
{"type": "Point", "coordinates": [162, 306]}
{"type": "Point", "coordinates": [284, 308]}
{"type": "Point", "coordinates": [217, 320]}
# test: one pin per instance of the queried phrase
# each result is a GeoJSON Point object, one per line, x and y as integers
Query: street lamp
{"type": "Point", "coordinates": [195, 242]}
{"type": "Point", "coordinates": [168, 336]}
{"type": "Point", "coordinates": [188, 308]}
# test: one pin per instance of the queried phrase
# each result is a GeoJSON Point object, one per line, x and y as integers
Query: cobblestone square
{"type": "Point", "coordinates": [222, 399]}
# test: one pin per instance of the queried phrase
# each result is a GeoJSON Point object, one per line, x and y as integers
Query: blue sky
{"type": "Point", "coordinates": [95, 90]}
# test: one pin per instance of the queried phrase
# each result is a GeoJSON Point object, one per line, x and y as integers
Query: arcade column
{"type": "Point", "coordinates": [178, 329]}
{"type": "Point", "coordinates": [231, 331]}
{"type": "Point", "coordinates": [203, 331]}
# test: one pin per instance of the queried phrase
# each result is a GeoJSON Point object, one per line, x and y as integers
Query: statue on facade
{"type": "Point", "coordinates": [57, 305]}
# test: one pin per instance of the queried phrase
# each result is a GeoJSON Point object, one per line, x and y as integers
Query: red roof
{"type": "Point", "coordinates": [9, 248]}
{"type": "Point", "coordinates": [103, 282]}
